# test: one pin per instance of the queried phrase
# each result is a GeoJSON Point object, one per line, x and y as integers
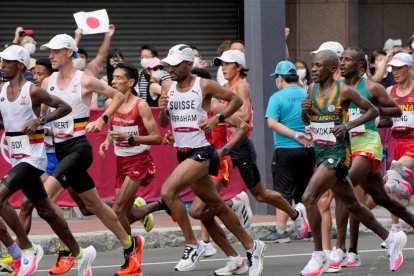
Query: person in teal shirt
{"type": "Point", "coordinates": [293, 158]}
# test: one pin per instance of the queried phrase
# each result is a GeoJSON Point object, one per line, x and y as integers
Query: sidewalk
{"type": "Point", "coordinates": [166, 233]}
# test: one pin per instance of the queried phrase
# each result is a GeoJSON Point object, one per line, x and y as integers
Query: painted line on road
{"type": "Point", "coordinates": [225, 259]}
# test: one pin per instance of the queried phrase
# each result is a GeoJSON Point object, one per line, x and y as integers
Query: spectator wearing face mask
{"type": "Point", "coordinates": [198, 59]}
{"type": "Point", "coordinates": [155, 71]}
{"type": "Point", "coordinates": [26, 39]}
{"type": "Point", "coordinates": [302, 71]}
{"type": "Point", "coordinates": [147, 52]}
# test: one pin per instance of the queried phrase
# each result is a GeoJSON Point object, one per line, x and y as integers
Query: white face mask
{"type": "Point", "coordinates": [196, 62]}
{"type": "Point", "coordinates": [79, 63]}
{"type": "Point", "coordinates": [144, 62]}
{"type": "Point", "coordinates": [412, 45]}
{"type": "Point", "coordinates": [301, 73]}
{"type": "Point", "coordinates": [157, 75]}
{"type": "Point", "coordinates": [30, 47]}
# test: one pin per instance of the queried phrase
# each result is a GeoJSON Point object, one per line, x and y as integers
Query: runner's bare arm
{"type": "Point", "coordinates": [244, 112]}
{"type": "Point", "coordinates": [242, 128]}
{"type": "Point", "coordinates": [213, 89]}
{"type": "Point", "coordinates": [154, 136]}
{"type": "Point", "coordinates": [91, 84]}
{"type": "Point", "coordinates": [349, 95]}
{"type": "Point", "coordinates": [307, 108]}
{"type": "Point", "coordinates": [387, 107]}
{"type": "Point", "coordinates": [163, 116]}
{"type": "Point", "coordinates": [41, 96]}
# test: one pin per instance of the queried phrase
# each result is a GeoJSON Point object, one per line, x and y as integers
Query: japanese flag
{"type": "Point", "coordinates": [92, 22]}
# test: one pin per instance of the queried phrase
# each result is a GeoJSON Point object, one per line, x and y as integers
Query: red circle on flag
{"type": "Point", "coordinates": [92, 22]}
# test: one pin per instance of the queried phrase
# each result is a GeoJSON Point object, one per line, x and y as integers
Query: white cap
{"type": "Point", "coordinates": [231, 56]}
{"type": "Point", "coordinates": [401, 59]}
{"type": "Point", "coordinates": [178, 54]}
{"type": "Point", "coordinates": [18, 53]}
{"type": "Point", "coordinates": [330, 45]}
{"type": "Point", "coordinates": [61, 41]}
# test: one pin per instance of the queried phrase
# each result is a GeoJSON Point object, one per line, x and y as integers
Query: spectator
{"type": "Point", "coordinates": [198, 59]}
{"type": "Point", "coordinates": [25, 38]}
{"type": "Point", "coordinates": [378, 68]}
{"type": "Point", "coordinates": [155, 71]}
{"type": "Point", "coordinates": [303, 73]}
{"type": "Point", "coordinates": [114, 57]}
{"type": "Point", "coordinates": [147, 52]}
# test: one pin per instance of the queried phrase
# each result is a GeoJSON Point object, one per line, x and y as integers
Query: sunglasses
{"type": "Point", "coordinates": [157, 68]}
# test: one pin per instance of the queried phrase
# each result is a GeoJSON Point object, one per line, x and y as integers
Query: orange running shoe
{"type": "Point", "coordinates": [63, 264]}
{"type": "Point", "coordinates": [16, 267]}
{"type": "Point", "coordinates": [132, 265]}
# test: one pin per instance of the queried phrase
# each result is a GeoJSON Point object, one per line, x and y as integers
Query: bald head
{"type": "Point", "coordinates": [328, 57]}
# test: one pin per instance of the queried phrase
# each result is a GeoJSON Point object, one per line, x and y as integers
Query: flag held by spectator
{"type": "Point", "coordinates": [92, 22]}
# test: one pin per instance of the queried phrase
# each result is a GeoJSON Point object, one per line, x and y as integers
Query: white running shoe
{"type": "Point", "coordinates": [84, 265]}
{"type": "Point", "coordinates": [301, 222]}
{"type": "Point", "coordinates": [30, 260]}
{"type": "Point", "coordinates": [337, 259]}
{"type": "Point", "coordinates": [232, 268]}
{"type": "Point", "coordinates": [395, 248]}
{"type": "Point", "coordinates": [241, 206]}
{"type": "Point", "coordinates": [255, 259]}
{"type": "Point", "coordinates": [209, 249]}
{"type": "Point", "coordinates": [352, 260]}
{"type": "Point", "coordinates": [394, 229]}
{"type": "Point", "coordinates": [316, 266]}
{"type": "Point", "coordinates": [190, 258]}
{"type": "Point", "coordinates": [397, 186]}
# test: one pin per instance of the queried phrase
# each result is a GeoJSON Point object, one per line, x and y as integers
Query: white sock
{"type": "Point", "coordinates": [237, 260]}
{"type": "Point", "coordinates": [280, 228]}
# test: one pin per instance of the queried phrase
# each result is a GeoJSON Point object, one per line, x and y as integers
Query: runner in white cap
{"type": "Point", "coordinates": [185, 103]}
{"type": "Point", "coordinates": [73, 150]}
{"type": "Point", "coordinates": [20, 107]}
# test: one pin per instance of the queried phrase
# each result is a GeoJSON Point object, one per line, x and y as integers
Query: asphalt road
{"type": "Point", "coordinates": [281, 259]}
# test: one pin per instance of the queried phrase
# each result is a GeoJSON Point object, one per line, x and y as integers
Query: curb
{"type": "Point", "coordinates": [167, 237]}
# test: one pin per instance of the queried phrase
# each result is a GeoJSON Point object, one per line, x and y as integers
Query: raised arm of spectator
{"type": "Point", "coordinates": [16, 39]}
{"type": "Point", "coordinates": [381, 68]}
{"type": "Point", "coordinates": [96, 65]}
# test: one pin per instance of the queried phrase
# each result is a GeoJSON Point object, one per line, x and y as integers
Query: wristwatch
{"type": "Point", "coordinates": [42, 120]}
{"type": "Point", "coordinates": [105, 118]}
{"type": "Point", "coordinates": [131, 141]}
{"type": "Point", "coordinates": [225, 151]}
{"type": "Point", "coordinates": [220, 117]}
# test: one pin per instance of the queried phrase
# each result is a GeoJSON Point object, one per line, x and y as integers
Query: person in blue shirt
{"type": "Point", "coordinates": [293, 158]}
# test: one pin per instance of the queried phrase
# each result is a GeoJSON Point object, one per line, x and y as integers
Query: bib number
{"type": "Point", "coordinates": [128, 130]}
{"type": "Point", "coordinates": [405, 122]}
{"type": "Point", "coordinates": [359, 130]}
{"type": "Point", "coordinates": [322, 135]}
{"type": "Point", "coordinates": [63, 127]}
{"type": "Point", "coordinates": [19, 146]}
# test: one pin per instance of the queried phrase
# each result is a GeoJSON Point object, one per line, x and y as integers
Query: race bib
{"type": "Point", "coordinates": [322, 135]}
{"type": "Point", "coordinates": [63, 127]}
{"type": "Point", "coordinates": [128, 130]}
{"type": "Point", "coordinates": [359, 130]}
{"type": "Point", "coordinates": [19, 146]}
{"type": "Point", "coordinates": [405, 122]}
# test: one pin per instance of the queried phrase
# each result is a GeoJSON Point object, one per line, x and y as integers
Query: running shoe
{"type": "Point", "coordinates": [241, 206]}
{"type": "Point", "coordinates": [316, 266]}
{"type": "Point", "coordinates": [395, 248]}
{"type": "Point", "coordinates": [148, 220]}
{"type": "Point", "coordinates": [255, 259]}
{"type": "Point", "coordinates": [84, 265]}
{"type": "Point", "coordinates": [352, 260]}
{"type": "Point", "coordinates": [232, 268]}
{"type": "Point", "coordinates": [190, 258]}
{"type": "Point", "coordinates": [6, 262]}
{"type": "Point", "coordinates": [301, 222]}
{"type": "Point", "coordinates": [64, 263]}
{"type": "Point", "coordinates": [209, 249]}
{"type": "Point", "coordinates": [405, 172]}
{"type": "Point", "coordinates": [133, 260]}
{"type": "Point", "coordinates": [394, 229]}
{"type": "Point", "coordinates": [275, 237]}
{"type": "Point", "coordinates": [397, 186]}
{"type": "Point", "coordinates": [15, 266]}
{"type": "Point", "coordinates": [30, 260]}
{"type": "Point", "coordinates": [337, 259]}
